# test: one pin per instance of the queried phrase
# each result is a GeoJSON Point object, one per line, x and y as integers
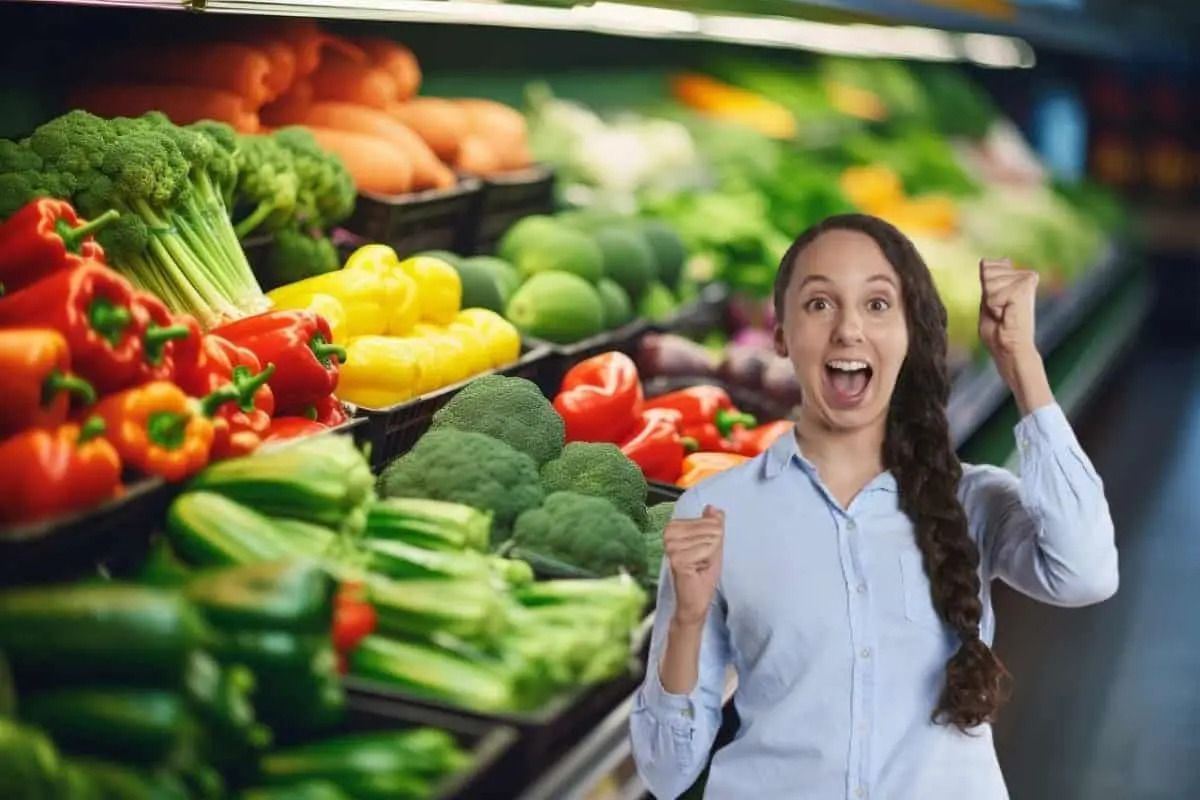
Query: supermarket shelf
{"type": "Point", "coordinates": [1083, 336]}
{"type": "Point", "coordinates": [981, 391]}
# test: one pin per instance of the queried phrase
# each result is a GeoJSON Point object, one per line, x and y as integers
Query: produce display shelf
{"type": "Point", "coordinates": [980, 391]}
{"type": "Point", "coordinates": [1083, 339]}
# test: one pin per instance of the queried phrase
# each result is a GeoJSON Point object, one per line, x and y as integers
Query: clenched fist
{"type": "Point", "coordinates": [1007, 308]}
{"type": "Point", "coordinates": [694, 549]}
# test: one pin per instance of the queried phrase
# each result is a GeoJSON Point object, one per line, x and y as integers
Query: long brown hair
{"type": "Point", "coordinates": [919, 452]}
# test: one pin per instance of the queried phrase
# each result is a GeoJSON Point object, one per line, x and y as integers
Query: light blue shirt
{"type": "Point", "coordinates": [826, 616]}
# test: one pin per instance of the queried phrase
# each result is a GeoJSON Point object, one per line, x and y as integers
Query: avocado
{"type": "Point", "coordinates": [522, 232]}
{"type": "Point", "coordinates": [480, 286]}
{"type": "Point", "coordinates": [505, 274]}
{"type": "Point", "coordinates": [657, 304]}
{"type": "Point", "coordinates": [618, 308]}
{"type": "Point", "coordinates": [628, 258]}
{"type": "Point", "coordinates": [559, 307]}
{"type": "Point", "coordinates": [670, 253]}
{"type": "Point", "coordinates": [557, 248]}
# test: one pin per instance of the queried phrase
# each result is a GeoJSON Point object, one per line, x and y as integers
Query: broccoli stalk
{"type": "Point", "coordinates": [169, 184]}
{"type": "Point", "coordinates": [267, 184]}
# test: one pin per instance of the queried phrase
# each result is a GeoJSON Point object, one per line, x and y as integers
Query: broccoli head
{"type": "Point", "coordinates": [467, 468]}
{"type": "Point", "coordinates": [267, 185]}
{"type": "Point", "coordinates": [657, 518]}
{"type": "Point", "coordinates": [599, 469]}
{"type": "Point", "coordinates": [296, 255]}
{"type": "Point", "coordinates": [583, 531]}
{"type": "Point", "coordinates": [512, 410]}
{"type": "Point", "coordinates": [326, 191]}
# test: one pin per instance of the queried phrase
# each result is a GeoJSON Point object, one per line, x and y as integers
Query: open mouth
{"type": "Point", "coordinates": [848, 379]}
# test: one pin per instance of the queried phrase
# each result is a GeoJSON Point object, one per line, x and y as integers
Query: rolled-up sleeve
{"type": "Point", "coordinates": [1048, 533]}
{"type": "Point", "coordinates": [672, 734]}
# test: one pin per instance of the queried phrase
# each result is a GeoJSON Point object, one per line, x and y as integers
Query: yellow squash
{"type": "Point", "coordinates": [402, 296]}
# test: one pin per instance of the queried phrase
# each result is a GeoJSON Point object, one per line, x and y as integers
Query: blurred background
{"type": "Point", "coordinates": [1060, 133]}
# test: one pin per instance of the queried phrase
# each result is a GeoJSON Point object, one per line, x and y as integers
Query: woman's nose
{"type": "Point", "coordinates": [848, 329]}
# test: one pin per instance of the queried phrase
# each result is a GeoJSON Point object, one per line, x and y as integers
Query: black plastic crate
{"type": "Point", "coordinates": [75, 546]}
{"type": "Point", "coordinates": [625, 339]}
{"type": "Point", "coordinates": [438, 219]}
{"type": "Point", "coordinates": [491, 745]}
{"type": "Point", "coordinates": [544, 735]}
{"type": "Point", "coordinates": [505, 199]}
{"type": "Point", "coordinates": [394, 430]}
{"type": "Point", "coordinates": [662, 493]}
{"type": "Point", "coordinates": [703, 314]}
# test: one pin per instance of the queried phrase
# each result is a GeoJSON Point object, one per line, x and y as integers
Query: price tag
{"type": "Point", "coordinates": [996, 9]}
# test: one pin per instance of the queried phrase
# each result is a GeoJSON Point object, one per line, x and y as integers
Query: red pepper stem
{"type": "Point", "coordinates": [167, 429]}
{"type": "Point", "coordinates": [247, 384]}
{"type": "Point", "coordinates": [726, 420]}
{"type": "Point", "coordinates": [158, 335]}
{"type": "Point", "coordinates": [57, 382]}
{"type": "Point", "coordinates": [73, 237]}
{"type": "Point", "coordinates": [689, 443]}
{"type": "Point", "coordinates": [211, 403]}
{"type": "Point", "coordinates": [108, 319]}
{"type": "Point", "coordinates": [323, 350]}
{"type": "Point", "coordinates": [310, 412]}
{"type": "Point", "coordinates": [92, 428]}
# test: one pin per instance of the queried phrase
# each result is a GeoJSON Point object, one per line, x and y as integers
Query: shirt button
{"type": "Point", "coordinates": [862, 588]}
{"type": "Point", "coordinates": [850, 526]}
{"type": "Point", "coordinates": [865, 652]}
{"type": "Point", "coordinates": [860, 792]}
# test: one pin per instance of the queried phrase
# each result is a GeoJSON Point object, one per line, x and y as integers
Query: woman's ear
{"type": "Point", "coordinates": [780, 343]}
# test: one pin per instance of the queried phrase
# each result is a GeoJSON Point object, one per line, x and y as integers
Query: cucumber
{"type": "Point", "coordinates": [469, 609]}
{"type": "Point", "coordinates": [209, 530]}
{"type": "Point", "coordinates": [129, 783]}
{"type": "Point", "coordinates": [145, 727]}
{"type": "Point", "coordinates": [398, 560]}
{"type": "Point", "coordinates": [431, 524]}
{"type": "Point", "coordinates": [99, 633]}
{"type": "Point", "coordinates": [30, 765]}
{"type": "Point", "coordinates": [433, 674]}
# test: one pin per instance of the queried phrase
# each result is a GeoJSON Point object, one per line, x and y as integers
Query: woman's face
{"type": "Point", "coordinates": [844, 330]}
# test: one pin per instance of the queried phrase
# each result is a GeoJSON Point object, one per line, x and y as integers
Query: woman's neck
{"type": "Point", "coordinates": [841, 453]}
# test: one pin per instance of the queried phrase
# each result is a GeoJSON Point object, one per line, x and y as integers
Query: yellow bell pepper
{"type": "Point", "coordinates": [451, 352]}
{"type": "Point", "coordinates": [502, 337]}
{"type": "Point", "coordinates": [402, 305]}
{"type": "Point", "coordinates": [439, 288]}
{"type": "Point", "coordinates": [327, 306]}
{"type": "Point", "coordinates": [875, 189]}
{"type": "Point", "coordinates": [361, 294]}
{"type": "Point", "coordinates": [479, 353]}
{"type": "Point", "coordinates": [381, 371]}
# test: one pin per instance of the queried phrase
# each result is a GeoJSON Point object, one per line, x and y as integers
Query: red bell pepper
{"type": "Point", "coordinates": [44, 237]}
{"type": "Point", "coordinates": [51, 471]}
{"type": "Point", "coordinates": [285, 428]}
{"type": "Point", "coordinates": [328, 411]}
{"type": "Point", "coordinates": [709, 415]}
{"type": "Point", "coordinates": [243, 419]}
{"type": "Point", "coordinates": [600, 398]}
{"type": "Point", "coordinates": [160, 336]}
{"type": "Point", "coordinates": [299, 344]}
{"type": "Point", "coordinates": [90, 307]}
{"type": "Point", "coordinates": [39, 385]}
{"type": "Point", "coordinates": [757, 440]}
{"type": "Point", "coordinates": [657, 446]}
{"type": "Point", "coordinates": [354, 617]}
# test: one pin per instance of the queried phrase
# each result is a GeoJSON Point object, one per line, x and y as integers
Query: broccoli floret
{"type": "Point", "coordinates": [296, 255]}
{"type": "Point", "coordinates": [267, 185]}
{"type": "Point", "coordinates": [326, 192]}
{"type": "Point", "coordinates": [657, 517]}
{"type": "Point", "coordinates": [512, 410]}
{"type": "Point", "coordinates": [467, 468]}
{"type": "Point", "coordinates": [583, 531]}
{"type": "Point", "coordinates": [599, 469]}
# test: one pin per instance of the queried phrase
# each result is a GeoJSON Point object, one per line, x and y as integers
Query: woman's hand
{"type": "Point", "coordinates": [1007, 313]}
{"type": "Point", "coordinates": [694, 549]}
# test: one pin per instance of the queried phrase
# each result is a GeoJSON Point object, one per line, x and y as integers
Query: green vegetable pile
{"type": "Point", "coordinates": [455, 622]}
{"type": "Point", "coordinates": [173, 187]}
{"type": "Point", "coordinates": [217, 684]}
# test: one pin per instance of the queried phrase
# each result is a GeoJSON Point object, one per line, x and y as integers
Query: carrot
{"type": "Point", "coordinates": [290, 107]}
{"type": "Point", "coordinates": [340, 79]}
{"type": "Point", "coordinates": [439, 122]}
{"type": "Point", "coordinates": [396, 59]}
{"type": "Point", "coordinates": [230, 67]}
{"type": "Point", "coordinates": [503, 127]}
{"type": "Point", "coordinates": [182, 104]}
{"type": "Point", "coordinates": [283, 65]}
{"type": "Point", "coordinates": [476, 157]}
{"type": "Point", "coordinates": [428, 171]}
{"type": "Point", "coordinates": [377, 166]}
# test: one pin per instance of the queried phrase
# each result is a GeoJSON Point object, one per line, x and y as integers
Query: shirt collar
{"type": "Point", "coordinates": [785, 451]}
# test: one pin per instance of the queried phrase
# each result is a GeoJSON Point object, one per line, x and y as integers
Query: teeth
{"type": "Point", "coordinates": [847, 366]}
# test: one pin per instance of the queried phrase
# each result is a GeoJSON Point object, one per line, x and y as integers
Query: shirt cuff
{"type": "Point", "coordinates": [657, 698]}
{"type": "Point", "coordinates": [1047, 425]}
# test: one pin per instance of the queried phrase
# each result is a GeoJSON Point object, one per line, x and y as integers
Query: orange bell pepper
{"type": "Point", "coordinates": [158, 430]}
{"type": "Point", "coordinates": [699, 466]}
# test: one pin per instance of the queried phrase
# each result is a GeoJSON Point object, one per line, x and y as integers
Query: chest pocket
{"type": "Point", "coordinates": [918, 602]}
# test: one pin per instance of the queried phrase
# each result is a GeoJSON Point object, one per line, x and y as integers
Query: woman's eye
{"type": "Point", "coordinates": [879, 305]}
{"type": "Point", "coordinates": [818, 304]}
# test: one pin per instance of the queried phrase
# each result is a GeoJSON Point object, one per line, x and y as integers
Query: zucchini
{"type": "Point", "coordinates": [122, 782]}
{"type": "Point", "coordinates": [313, 541]}
{"type": "Point", "coordinates": [146, 727]}
{"type": "Point", "coordinates": [431, 524]}
{"type": "Point", "coordinates": [8, 689]}
{"type": "Point", "coordinates": [469, 609]}
{"type": "Point", "coordinates": [162, 567]}
{"type": "Point", "coordinates": [400, 561]}
{"type": "Point", "coordinates": [30, 765]}
{"type": "Point", "coordinates": [434, 674]}
{"type": "Point", "coordinates": [417, 751]}
{"type": "Point", "coordinates": [308, 790]}
{"type": "Point", "coordinates": [320, 480]}
{"type": "Point", "coordinates": [281, 595]}
{"type": "Point", "coordinates": [209, 530]}
{"type": "Point", "coordinates": [99, 633]}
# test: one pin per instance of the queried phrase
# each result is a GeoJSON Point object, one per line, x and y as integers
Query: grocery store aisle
{"type": "Point", "coordinates": [1107, 699]}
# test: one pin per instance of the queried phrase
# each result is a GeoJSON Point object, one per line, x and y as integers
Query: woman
{"type": "Point", "coordinates": [844, 574]}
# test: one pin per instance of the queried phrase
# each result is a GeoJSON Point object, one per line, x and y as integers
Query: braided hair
{"type": "Point", "coordinates": [919, 452]}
